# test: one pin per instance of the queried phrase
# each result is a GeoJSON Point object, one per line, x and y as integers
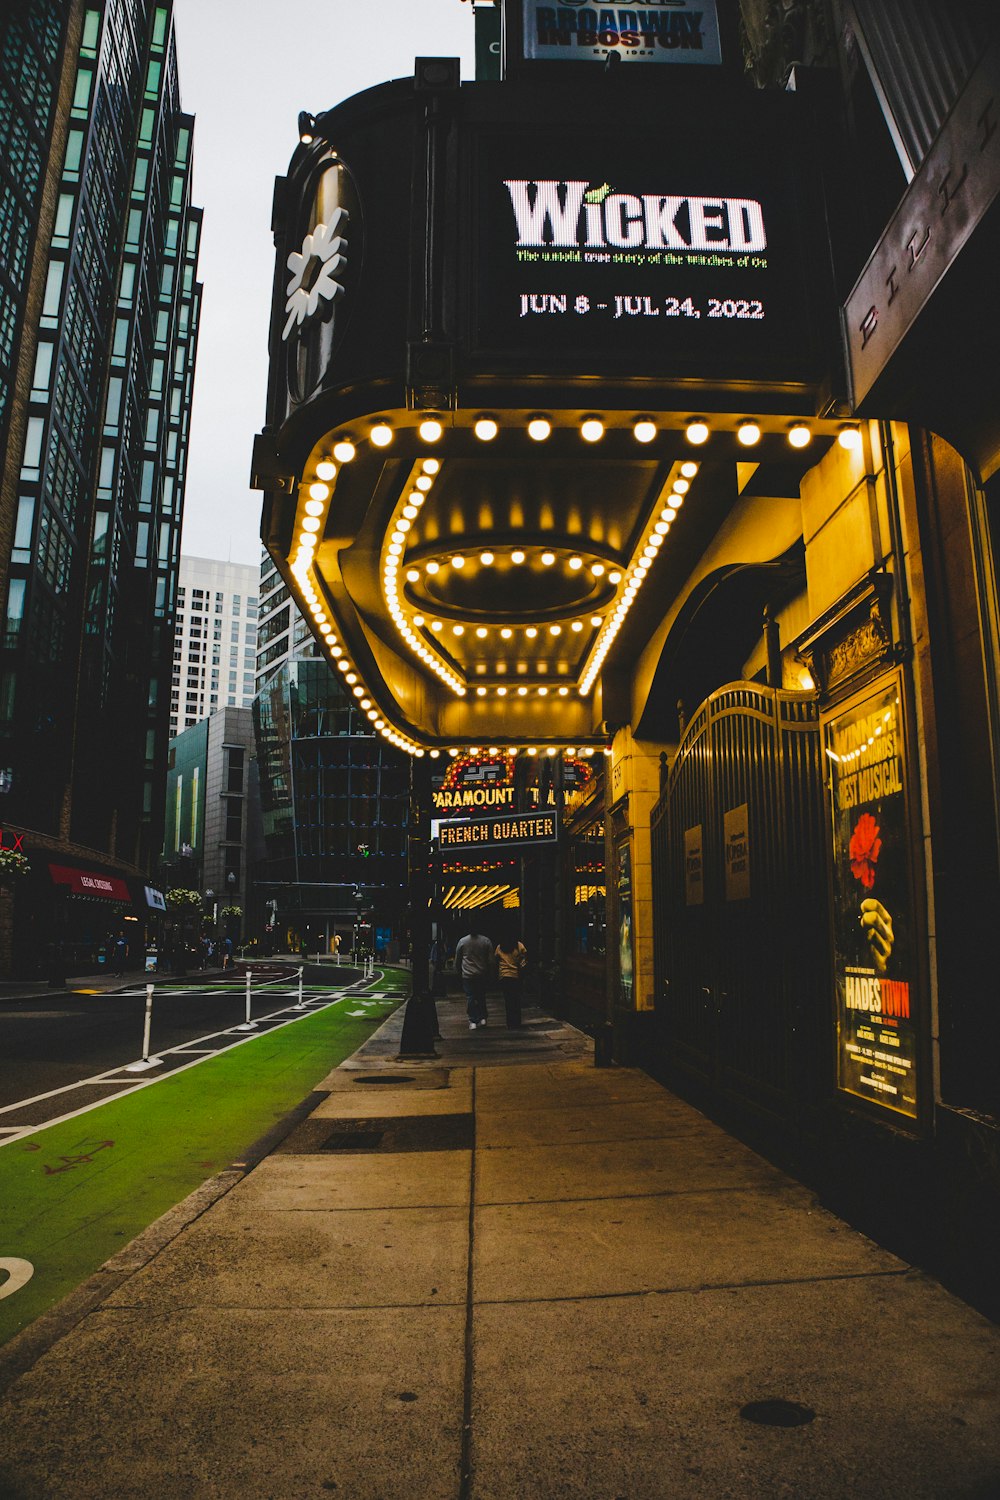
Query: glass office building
{"type": "Point", "coordinates": [334, 800]}
{"type": "Point", "coordinates": [99, 304]}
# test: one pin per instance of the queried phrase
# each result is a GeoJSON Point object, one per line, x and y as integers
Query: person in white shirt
{"type": "Point", "coordinates": [474, 960]}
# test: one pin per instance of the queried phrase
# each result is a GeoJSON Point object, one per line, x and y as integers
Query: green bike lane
{"type": "Point", "coordinates": [75, 1192]}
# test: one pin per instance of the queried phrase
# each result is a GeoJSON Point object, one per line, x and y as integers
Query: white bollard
{"type": "Point", "coordinates": [247, 1025]}
{"type": "Point", "coordinates": [147, 1061]}
{"type": "Point", "coordinates": [302, 1004]}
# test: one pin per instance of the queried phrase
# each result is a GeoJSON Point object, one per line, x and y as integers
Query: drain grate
{"type": "Point", "coordinates": [385, 1078]}
{"type": "Point", "coordinates": [777, 1413]}
{"type": "Point", "coordinates": [353, 1140]}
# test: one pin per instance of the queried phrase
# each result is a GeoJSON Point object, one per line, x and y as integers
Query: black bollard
{"type": "Point", "coordinates": [604, 1039]}
{"type": "Point", "coordinates": [419, 1026]}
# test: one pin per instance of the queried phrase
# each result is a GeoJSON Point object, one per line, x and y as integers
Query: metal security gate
{"type": "Point", "coordinates": [740, 904]}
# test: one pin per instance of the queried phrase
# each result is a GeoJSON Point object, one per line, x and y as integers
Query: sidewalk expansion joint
{"type": "Point", "coordinates": [465, 1485]}
{"type": "Point", "coordinates": [696, 1288]}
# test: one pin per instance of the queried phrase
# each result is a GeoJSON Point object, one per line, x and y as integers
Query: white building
{"type": "Point", "coordinates": [283, 632]}
{"type": "Point", "coordinates": [215, 641]}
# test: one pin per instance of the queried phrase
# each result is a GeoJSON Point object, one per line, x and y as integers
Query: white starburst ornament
{"type": "Point", "coordinates": [314, 271]}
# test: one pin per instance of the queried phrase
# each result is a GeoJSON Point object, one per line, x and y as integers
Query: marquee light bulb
{"type": "Point", "coordinates": [381, 434]}
{"type": "Point", "coordinates": [799, 436]}
{"type": "Point", "coordinates": [575, 563]}
{"type": "Point", "coordinates": [748, 434]}
{"type": "Point", "coordinates": [517, 557]}
{"type": "Point", "coordinates": [411, 512]}
{"type": "Point", "coordinates": [595, 620]}
{"type": "Point", "coordinates": [430, 430]}
{"type": "Point", "coordinates": [319, 492]}
{"type": "Point", "coordinates": [326, 470]}
{"type": "Point", "coordinates": [849, 437]}
{"type": "Point", "coordinates": [433, 567]}
{"type": "Point", "coordinates": [506, 632]}
{"type": "Point", "coordinates": [458, 561]}
{"type": "Point", "coordinates": [592, 430]}
{"type": "Point", "coordinates": [539, 428]}
{"type": "Point", "coordinates": [644, 430]}
{"type": "Point", "coordinates": [486, 429]}
{"type": "Point", "coordinates": [486, 558]}
{"type": "Point", "coordinates": [480, 692]}
{"type": "Point", "coordinates": [697, 432]}
{"type": "Point", "coordinates": [412, 575]}
{"type": "Point", "coordinates": [548, 558]}
{"type": "Point", "coordinates": [424, 482]}
{"type": "Point", "coordinates": [501, 692]}
{"type": "Point", "coordinates": [543, 692]}
{"type": "Point", "coordinates": [403, 524]}
{"type": "Point", "coordinates": [597, 569]}
{"type": "Point", "coordinates": [577, 626]}
{"type": "Point", "coordinates": [680, 486]}
{"type": "Point", "coordinates": [436, 625]}
{"type": "Point", "coordinates": [481, 632]}
{"type": "Point", "coordinates": [314, 507]}
{"type": "Point", "coordinates": [344, 451]}
{"type": "Point", "coordinates": [531, 632]}
{"type": "Point", "coordinates": [307, 540]}
{"type": "Point", "coordinates": [689, 469]}
{"type": "Point", "coordinates": [310, 523]}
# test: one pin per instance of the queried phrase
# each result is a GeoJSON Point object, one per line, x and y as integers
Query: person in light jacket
{"type": "Point", "coordinates": [511, 956]}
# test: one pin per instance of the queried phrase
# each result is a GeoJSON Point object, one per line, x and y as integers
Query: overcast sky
{"type": "Point", "coordinates": [246, 69]}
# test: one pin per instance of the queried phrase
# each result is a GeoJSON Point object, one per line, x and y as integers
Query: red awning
{"type": "Point", "coordinates": [90, 883]}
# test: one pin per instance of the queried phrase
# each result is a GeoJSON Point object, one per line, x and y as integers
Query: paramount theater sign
{"type": "Point", "coordinates": [496, 795]}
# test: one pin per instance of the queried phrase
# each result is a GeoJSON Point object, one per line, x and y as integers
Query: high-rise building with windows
{"type": "Point", "coordinates": [99, 303]}
{"type": "Point", "coordinates": [334, 797]}
{"type": "Point", "coordinates": [215, 640]}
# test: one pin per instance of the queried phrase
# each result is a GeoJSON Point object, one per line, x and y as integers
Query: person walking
{"type": "Point", "coordinates": [120, 955]}
{"type": "Point", "coordinates": [511, 956]}
{"type": "Point", "coordinates": [474, 960]}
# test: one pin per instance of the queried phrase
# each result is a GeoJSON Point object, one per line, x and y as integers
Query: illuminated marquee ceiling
{"type": "Point", "coordinates": [473, 588]}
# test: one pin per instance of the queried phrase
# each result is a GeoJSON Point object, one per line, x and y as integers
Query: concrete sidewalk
{"type": "Point", "coordinates": [505, 1274]}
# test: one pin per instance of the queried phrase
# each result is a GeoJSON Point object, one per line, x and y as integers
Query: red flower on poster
{"type": "Point", "coordinates": [865, 848]}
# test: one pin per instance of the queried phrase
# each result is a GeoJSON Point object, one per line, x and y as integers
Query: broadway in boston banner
{"type": "Point", "coordinates": [873, 919]}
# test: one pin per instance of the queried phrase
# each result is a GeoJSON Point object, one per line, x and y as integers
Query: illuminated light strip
{"type": "Point", "coordinates": [314, 610]}
{"type": "Point", "coordinates": [635, 575]}
{"type": "Point", "coordinates": [392, 564]}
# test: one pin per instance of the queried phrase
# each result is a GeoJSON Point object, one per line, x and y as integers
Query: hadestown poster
{"type": "Point", "coordinates": [873, 935]}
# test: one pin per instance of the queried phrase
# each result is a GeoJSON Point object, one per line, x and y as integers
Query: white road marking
{"type": "Point", "coordinates": [108, 1077]}
{"type": "Point", "coordinates": [19, 1273]}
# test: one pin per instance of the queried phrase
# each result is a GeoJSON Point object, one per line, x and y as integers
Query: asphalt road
{"type": "Point", "coordinates": [49, 1042]}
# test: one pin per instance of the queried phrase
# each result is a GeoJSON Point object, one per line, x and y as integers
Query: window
{"type": "Point", "coordinates": [234, 769]}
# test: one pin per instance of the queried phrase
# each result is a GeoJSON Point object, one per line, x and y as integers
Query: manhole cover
{"type": "Point", "coordinates": [385, 1078]}
{"type": "Point", "coordinates": [777, 1413]}
{"type": "Point", "coordinates": [353, 1140]}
